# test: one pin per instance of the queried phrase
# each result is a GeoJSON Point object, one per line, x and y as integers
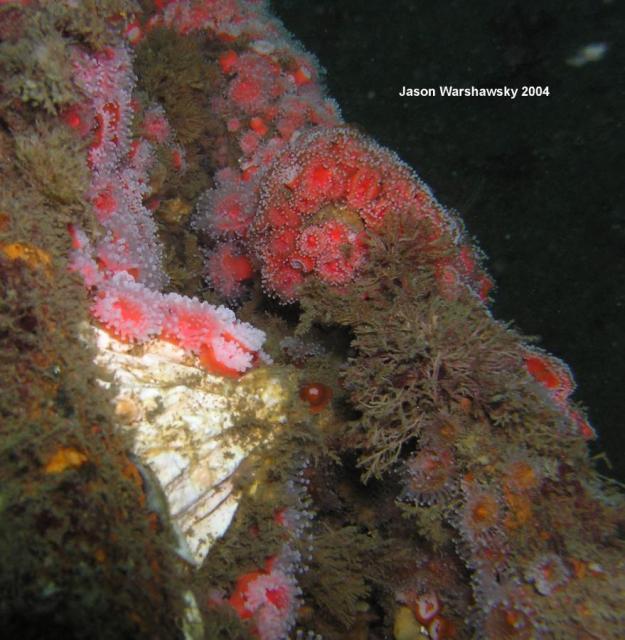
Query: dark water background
{"type": "Point", "coordinates": [539, 181]}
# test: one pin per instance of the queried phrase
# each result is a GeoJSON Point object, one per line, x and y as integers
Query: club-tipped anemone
{"type": "Point", "coordinates": [256, 83]}
{"type": "Point", "coordinates": [227, 269]}
{"type": "Point", "coordinates": [225, 212]}
{"type": "Point", "coordinates": [550, 372]}
{"type": "Point", "coordinates": [480, 515]}
{"type": "Point", "coordinates": [268, 597]}
{"type": "Point", "coordinates": [441, 431]}
{"type": "Point", "coordinates": [548, 573]}
{"type": "Point", "coordinates": [521, 476]}
{"type": "Point", "coordinates": [155, 126]}
{"type": "Point", "coordinates": [509, 619]}
{"type": "Point", "coordinates": [426, 606]}
{"type": "Point", "coordinates": [428, 476]}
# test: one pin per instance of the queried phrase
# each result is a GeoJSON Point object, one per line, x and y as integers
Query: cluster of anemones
{"type": "Point", "coordinates": [124, 267]}
{"type": "Point", "coordinates": [133, 312]}
{"type": "Point", "coordinates": [321, 198]}
{"type": "Point", "coordinates": [267, 94]}
{"type": "Point", "coordinates": [225, 215]}
{"type": "Point", "coordinates": [483, 544]}
{"type": "Point", "coordinates": [521, 477]}
{"type": "Point", "coordinates": [268, 598]}
{"type": "Point", "coordinates": [426, 607]}
{"type": "Point", "coordinates": [323, 187]}
{"type": "Point", "coordinates": [118, 165]}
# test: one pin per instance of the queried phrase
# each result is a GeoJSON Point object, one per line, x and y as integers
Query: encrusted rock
{"type": "Point", "coordinates": [180, 418]}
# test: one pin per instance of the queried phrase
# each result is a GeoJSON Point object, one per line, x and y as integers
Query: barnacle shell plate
{"type": "Point", "coordinates": [179, 418]}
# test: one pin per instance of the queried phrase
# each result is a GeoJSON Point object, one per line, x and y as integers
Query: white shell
{"type": "Point", "coordinates": [178, 415]}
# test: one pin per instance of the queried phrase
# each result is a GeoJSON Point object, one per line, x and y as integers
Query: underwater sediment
{"type": "Point", "coordinates": [253, 387]}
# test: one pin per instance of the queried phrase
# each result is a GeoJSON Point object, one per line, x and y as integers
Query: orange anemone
{"type": "Point", "coordinates": [317, 396]}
